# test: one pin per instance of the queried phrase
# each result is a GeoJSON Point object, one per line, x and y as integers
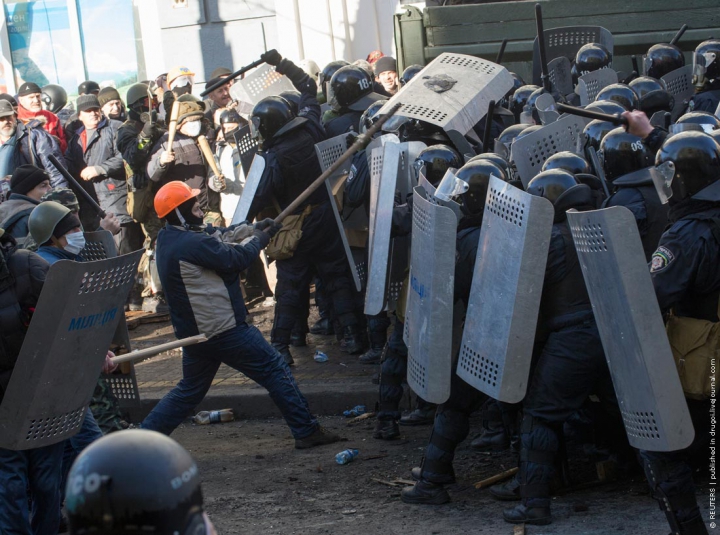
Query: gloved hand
{"type": "Point", "coordinates": [149, 130]}
{"type": "Point", "coordinates": [272, 57]}
{"type": "Point", "coordinates": [263, 237]}
{"type": "Point", "coordinates": [268, 225]}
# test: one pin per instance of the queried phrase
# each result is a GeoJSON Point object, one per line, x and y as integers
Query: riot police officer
{"type": "Point", "coordinates": [706, 76]}
{"type": "Point", "coordinates": [350, 94]}
{"type": "Point", "coordinates": [291, 165]}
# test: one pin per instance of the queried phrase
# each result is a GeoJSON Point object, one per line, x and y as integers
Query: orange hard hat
{"type": "Point", "coordinates": [172, 195]}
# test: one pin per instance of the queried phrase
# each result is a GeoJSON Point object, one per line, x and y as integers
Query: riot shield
{"type": "Point", "coordinates": [453, 92]}
{"type": "Point", "coordinates": [263, 82]}
{"type": "Point", "coordinates": [680, 85]}
{"type": "Point", "coordinates": [251, 185]}
{"type": "Point", "coordinates": [429, 309]}
{"type": "Point", "coordinates": [590, 84]}
{"type": "Point", "coordinates": [560, 75]}
{"type": "Point", "coordinates": [545, 106]}
{"type": "Point", "coordinates": [352, 224]}
{"type": "Point", "coordinates": [247, 147]}
{"type": "Point", "coordinates": [502, 312]}
{"type": "Point", "coordinates": [388, 257]}
{"type": "Point", "coordinates": [566, 42]}
{"type": "Point", "coordinates": [64, 349]}
{"type": "Point", "coordinates": [123, 382]}
{"type": "Point", "coordinates": [633, 335]}
{"type": "Point", "coordinates": [530, 152]}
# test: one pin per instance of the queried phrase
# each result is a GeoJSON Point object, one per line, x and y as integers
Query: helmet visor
{"type": "Point", "coordinates": [691, 127]}
{"type": "Point", "coordinates": [450, 187]}
{"type": "Point", "coordinates": [662, 177]}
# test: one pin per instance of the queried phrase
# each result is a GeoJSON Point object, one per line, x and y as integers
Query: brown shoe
{"type": "Point", "coordinates": [320, 437]}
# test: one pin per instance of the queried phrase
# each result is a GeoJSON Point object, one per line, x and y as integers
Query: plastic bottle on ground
{"type": "Point", "coordinates": [212, 417]}
{"type": "Point", "coordinates": [346, 456]}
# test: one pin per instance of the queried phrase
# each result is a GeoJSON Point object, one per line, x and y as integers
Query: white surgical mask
{"type": "Point", "coordinates": [193, 128]}
{"type": "Point", "coordinates": [75, 242]}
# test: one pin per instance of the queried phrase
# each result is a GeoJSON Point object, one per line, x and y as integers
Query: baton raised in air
{"type": "Point", "coordinates": [678, 35]}
{"type": "Point", "coordinates": [361, 141]}
{"type": "Point", "coordinates": [617, 120]}
{"type": "Point", "coordinates": [488, 127]}
{"type": "Point", "coordinates": [544, 75]}
{"type": "Point", "coordinates": [78, 186]}
{"type": "Point", "coordinates": [501, 52]}
{"type": "Point", "coordinates": [231, 77]}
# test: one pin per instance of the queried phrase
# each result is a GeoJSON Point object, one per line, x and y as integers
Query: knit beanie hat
{"type": "Point", "coordinates": [87, 102]}
{"type": "Point", "coordinates": [28, 88]}
{"type": "Point", "coordinates": [25, 178]}
{"type": "Point", "coordinates": [66, 224]}
{"type": "Point", "coordinates": [386, 63]}
{"type": "Point", "coordinates": [107, 94]}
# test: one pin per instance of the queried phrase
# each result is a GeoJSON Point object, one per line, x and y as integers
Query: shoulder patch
{"type": "Point", "coordinates": [352, 173]}
{"type": "Point", "coordinates": [661, 259]}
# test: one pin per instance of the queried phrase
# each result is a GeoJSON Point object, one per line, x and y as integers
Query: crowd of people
{"type": "Point", "coordinates": [142, 161]}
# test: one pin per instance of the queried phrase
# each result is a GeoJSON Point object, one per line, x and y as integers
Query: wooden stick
{"type": "Point", "coordinates": [496, 478]}
{"type": "Point", "coordinates": [205, 149]}
{"type": "Point", "coordinates": [360, 418]}
{"type": "Point", "coordinates": [519, 529]}
{"type": "Point", "coordinates": [361, 141]}
{"type": "Point", "coordinates": [154, 350]}
{"type": "Point", "coordinates": [172, 124]}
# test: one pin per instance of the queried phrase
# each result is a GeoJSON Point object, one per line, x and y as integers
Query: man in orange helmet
{"type": "Point", "coordinates": [199, 268]}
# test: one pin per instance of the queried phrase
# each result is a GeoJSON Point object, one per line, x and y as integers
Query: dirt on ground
{"type": "Point", "coordinates": [254, 482]}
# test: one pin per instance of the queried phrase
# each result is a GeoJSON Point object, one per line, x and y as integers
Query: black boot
{"type": "Point", "coordinates": [284, 350]}
{"type": "Point", "coordinates": [371, 356]}
{"type": "Point", "coordinates": [320, 437]}
{"type": "Point", "coordinates": [506, 492]}
{"type": "Point", "coordinates": [355, 340]}
{"type": "Point", "coordinates": [424, 415]}
{"type": "Point", "coordinates": [522, 514]}
{"type": "Point", "coordinates": [493, 439]}
{"type": "Point", "coordinates": [297, 336]}
{"type": "Point", "coordinates": [444, 479]}
{"type": "Point", "coordinates": [424, 492]}
{"type": "Point", "coordinates": [386, 430]}
{"type": "Point", "coordinates": [323, 327]}
{"type": "Point", "coordinates": [696, 526]}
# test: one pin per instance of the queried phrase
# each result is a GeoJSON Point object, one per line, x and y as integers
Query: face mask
{"type": "Point", "coordinates": [75, 242]}
{"type": "Point", "coordinates": [193, 128]}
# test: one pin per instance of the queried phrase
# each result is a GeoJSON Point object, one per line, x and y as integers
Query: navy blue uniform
{"type": "Point", "coordinates": [347, 122]}
{"type": "Point", "coordinates": [570, 366]}
{"type": "Point", "coordinates": [291, 165]}
{"type": "Point", "coordinates": [707, 100]}
{"type": "Point", "coordinates": [650, 214]}
{"type": "Point", "coordinates": [685, 274]}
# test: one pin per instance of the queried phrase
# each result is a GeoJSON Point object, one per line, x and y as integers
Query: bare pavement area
{"type": "Point", "coordinates": [255, 482]}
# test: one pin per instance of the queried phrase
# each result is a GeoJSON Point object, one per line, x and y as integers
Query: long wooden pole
{"type": "Point", "coordinates": [154, 350]}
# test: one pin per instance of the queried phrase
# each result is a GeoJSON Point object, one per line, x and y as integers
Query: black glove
{"type": "Point", "coordinates": [265, 223]}
{"type": "Point", "coordinates": [296, 75]}
{"type": "Point", "coordinates": [269, 226]}
{"type": "Point", "coordinates": [263, 237]}
{"type": "Point", "coordinates": [149, 130]}
{"type": "Point", "coordinates": [272, 57]}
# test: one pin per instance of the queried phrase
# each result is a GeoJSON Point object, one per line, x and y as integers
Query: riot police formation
{"type": "Point", "coordinates": [214, 183]}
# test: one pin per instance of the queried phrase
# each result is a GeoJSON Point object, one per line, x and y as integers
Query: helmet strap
{"type": "Point", "coordinates": [182, 219]}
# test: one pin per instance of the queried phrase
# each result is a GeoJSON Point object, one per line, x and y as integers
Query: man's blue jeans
{"type": "Point", "coordinates": [244, 349]}
{"type": "Point", "coordinates": [39, 470]}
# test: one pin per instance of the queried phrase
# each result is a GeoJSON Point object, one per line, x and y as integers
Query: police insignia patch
{"type": "Point", "coordinates": [661, 259]}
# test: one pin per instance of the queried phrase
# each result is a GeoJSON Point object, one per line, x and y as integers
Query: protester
{"type": "Point", "coordinates": [30, 108]}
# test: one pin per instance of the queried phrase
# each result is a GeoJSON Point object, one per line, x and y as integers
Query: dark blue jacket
{"type": "Point", "coordinates": [200, 278]}
{"type": "Point", "coordinates": [52, 254]}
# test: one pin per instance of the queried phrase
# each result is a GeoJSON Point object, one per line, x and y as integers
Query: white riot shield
{"type": "Point", "coordinates": [680, 85]}
{"type": "Point", "coordinates": [429, 310]}
{"type": "Point", "coordinates": [590, 84]}
{"type": "Point", "coordinates": [64, 349]}
{"type": "Point", "coordinates": [263, 82]}
{"type": "Point", "coordinates": [559, 72]}
{"type": "Point", "coordinates": [453, 92]}
{"type": "Point", "coordinates": [566, 41]}
{"type": "Point", "coordinates": [352, 224]}
{"type": "Point", "coordinates": [502, 313]}
{"type": "Point", "coordinates": [251, 185]}
{"type": "Point", "coordinates": [530, 152]}
{"type": "Point", "coordinates": [388, 257]}
{"type": "Point", "coordinates": [123, 382]}
{"type": "Point", "coordinates": [247, 147]}
{"type": "Point", "coordinates": [633, 335]}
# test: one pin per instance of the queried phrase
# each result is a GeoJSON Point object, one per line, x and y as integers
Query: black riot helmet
{"type": "Point", "coordinates": [563, 190]}
{"type": "Point", "coordinates": [495, 158]}
{"type": "Point", "coordinates": [468, 186]}
{"type": "Point", "coordinates": [606, 106]}
{"type": "Point", "coordinates": [696, 157]}
{"type": "Point", "coordinates": [530, 114]}
{"type": "Point", "coordinates": [518, 82]}
{"type": "Point", "coordinates": [53, 98]}
{"type": "Point", "coordinates": [706, 62]}
{"type": "Point", "coordinates": [437, 159]}
{"type": "Point", "coordinates": [135, 481]}
{"type": "Point", "coordinates": [662, 59]}
{"type": "Point", "coordinates": [624, 153]}
{"type": "Point", "coordinates": [653, 95]}
{"type": "Point", "coordinates": [642, 85]}
{"type": "Point", "coordinates": [506, 138]}
{"type": "Point", "coordinates": [568, 161]}
{"type": "Point", "coordinates": [230, 116]}
{"type": "Point", "coordinates": [622, 94]}
{"type": "Point", "coordinates": [326, 74]}
{"type": "Point", "coordinates": [351, 87]}
{"type": "Point", "coordinates": [595, 131]}
{"type": "Point", "coordinates": [409, 73]}
{"type": "Point", "coordinates": [700, 121]}
{"type": "Point", "coordinates": [293, 97]}
{"type": "Point", "coordinates": [269, 117]}
{"type": "Point", "coordinates": [519, 99]}
{"type": "Point", "coordinates": [369, 116]}
{"type": "Point", "coordinates": [592, 57]}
